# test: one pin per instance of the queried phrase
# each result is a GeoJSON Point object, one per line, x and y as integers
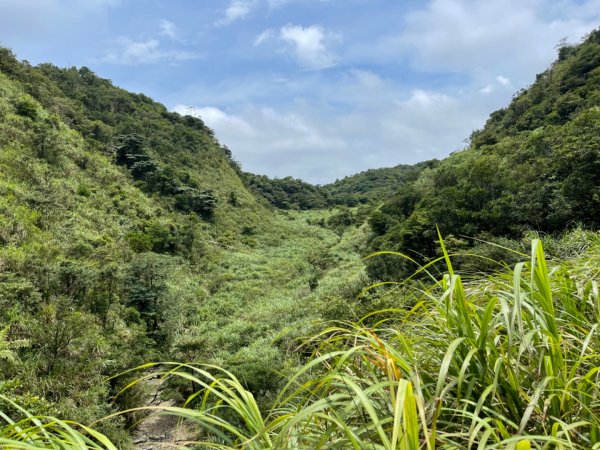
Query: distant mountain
{"type": "Point", "coordinates": [286, 193]}
{"type": "Point", "coordinates": [371, 186]}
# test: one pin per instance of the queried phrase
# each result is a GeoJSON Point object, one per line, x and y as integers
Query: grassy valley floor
{"type": "Point", "coordinates": [260, 297]}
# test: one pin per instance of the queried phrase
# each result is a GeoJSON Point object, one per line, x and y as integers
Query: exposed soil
{"type": "Point", "coordinates": [161, 432]}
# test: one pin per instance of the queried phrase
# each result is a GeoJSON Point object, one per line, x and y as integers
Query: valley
{"type": "Point", "coordinates": [452, 303]}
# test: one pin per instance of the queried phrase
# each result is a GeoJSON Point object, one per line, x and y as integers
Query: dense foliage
{"type": "Point", "coordinates": [506, 362]}
{"type": "Point", "coordinates": [286, 193]}
{"type": "Point", "coordinates": [509, 361]}
{"type": "Point", "coordinates": [535, 165]}
{"type": "Point", "coordinates": [371, 186]}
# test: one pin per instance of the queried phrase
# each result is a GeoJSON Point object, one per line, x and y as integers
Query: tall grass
{"type": "Point", "coordinates": [44, 432]}
{"type": "Point", "coordinates": [511, 361]}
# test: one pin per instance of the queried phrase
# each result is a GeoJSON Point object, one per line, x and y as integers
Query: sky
{"type": "Point", "coordinates": [314, 89]}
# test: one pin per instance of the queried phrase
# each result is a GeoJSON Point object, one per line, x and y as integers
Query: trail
{"type": "Point", "coordinates": [161, 432]}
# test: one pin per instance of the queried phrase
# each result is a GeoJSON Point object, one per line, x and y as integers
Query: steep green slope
{"type": "Point", "coordinates": [534, 166]}
{"type": "Point", "coordinates": [127, 235]}
{"type": "Point", "coordinates": [65, 214]}
{"type": "Point", "coordinates": [181, 153]}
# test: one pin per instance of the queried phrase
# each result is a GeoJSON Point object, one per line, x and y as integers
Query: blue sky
{"type": "Point", "coordinates": [315, 89]}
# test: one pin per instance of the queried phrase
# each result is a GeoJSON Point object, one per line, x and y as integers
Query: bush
{"type": "Point", "coordinates": [192, 200]}
{"type": "Point", "coordinates": [26, 107]}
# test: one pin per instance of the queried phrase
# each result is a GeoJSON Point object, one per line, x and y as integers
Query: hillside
{"type": "Point", "coordinates": [98, 242]}
{"type": "Point", "coordinates": [373, 185]}
{"type": "Point", "coordinates": [368, 187]}
{"type": "Point", "coordinates": [129, 234]}
{"type": "Point", "coordinates": [534, 166]}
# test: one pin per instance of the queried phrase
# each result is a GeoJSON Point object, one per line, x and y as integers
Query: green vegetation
{"type": "Point", "coordinates": [366, 187]}
{"type": "Point", "coordinates": [506, 361]}
{"type": "Point", "coordinates": [373, 185]}
{"type": "Point", "coordinates": [286, 193]}
{"type": "Point", "coordinates": [129, 234]}
{"type": "Point", "coordinates": [534, 166]}
{"type": "Point", "coordinates": [509, 361]}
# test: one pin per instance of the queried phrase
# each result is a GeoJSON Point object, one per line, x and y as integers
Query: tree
{"type": "Point", "coordinates": [131, 153]}
{"type": "Point", "coordinates": [146, 289]}
{"type": "Point", "coordinates": [192, 200]}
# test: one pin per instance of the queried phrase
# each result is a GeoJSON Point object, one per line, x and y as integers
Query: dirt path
{"type": "Point", "coordinates": [160, 432]}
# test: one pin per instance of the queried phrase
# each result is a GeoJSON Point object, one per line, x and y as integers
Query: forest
{"type": "Point", "coordinates": [449, 304]}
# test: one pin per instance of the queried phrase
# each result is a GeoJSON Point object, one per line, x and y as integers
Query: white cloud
{"type": "Point", "coordinates": [358, 121]}
{"type": "Point", "coordinates": [168, 29]}
{"type": "Point", "coordinates": [503, 80]}
{"type": "Point", "coordinates": [283, 142]}
{"type": "Point", "coordinates": [145, 52]}
{"type": "Point", "coordinates": [217, 119]}
{"type": "Point", "coordinates": [308, 45]}
{"type": "Point", "coordinates": [237, 10]}
{"type": "Point", "coordinates": [421, 98]}
{"type": "Point", "coordinates": [367, 79]}
{"type": "Point", "coordinates": [263, 37]}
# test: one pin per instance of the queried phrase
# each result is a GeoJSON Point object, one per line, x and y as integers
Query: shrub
{"type": "Point", "coordinates": [25, 106]}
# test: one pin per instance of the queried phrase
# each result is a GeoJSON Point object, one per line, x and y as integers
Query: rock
{"type": "Point", "coordinates": [158, 438]}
